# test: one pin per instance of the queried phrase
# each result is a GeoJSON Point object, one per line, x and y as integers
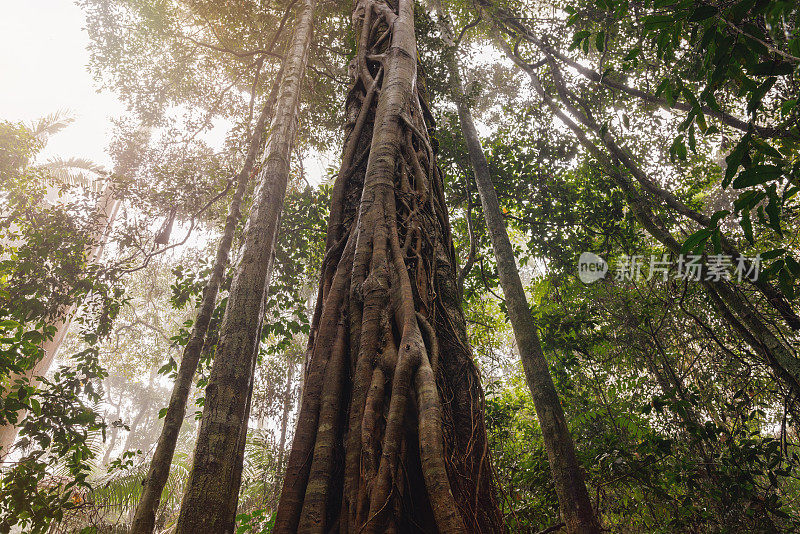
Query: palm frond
{"type": "Point", "coordinates": [51, 124]}
{"type": "Point", "coordinates": [74, 172]}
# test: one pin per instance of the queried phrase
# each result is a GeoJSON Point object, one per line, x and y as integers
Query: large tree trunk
{"type": "Point", "coordinates": [376, 448]}
{"type": "Point", "coordinates": [145, 516]}
{"type": "Point", "coordinates": [573, 498]}
{"type": "Point", "coordinates": [209, 503]}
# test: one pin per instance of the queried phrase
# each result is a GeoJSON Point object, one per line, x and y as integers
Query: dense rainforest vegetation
{"type": "Point", "coordinates": [456, 267]}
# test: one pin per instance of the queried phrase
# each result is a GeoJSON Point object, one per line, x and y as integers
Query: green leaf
{"type": "Point", "coordinates": [747, 226]}
{"type": "Point", "coordinates": [579, 37]}
{"type": "Point", "coordinates": [690, 98]}
{"type": "Point", "coordinates": [773, 269]}
{"type": "Point", "coordinates": [599, 41]}
{"type": "Point", "coordinates": [696, 240]}
{"type": "Point", "coordinates": [757, 174]}
{"type": "Point", "coordinates": [734, 159]}
{"type": "Point", "coordinates": [786, 282]}
{"type": "Point", "coordinates": [766, 148]}
{"type": "Point", "coordinates": [772, 254]}
{"type": "Point", "coordinates": [701, 123]}
{"type": "Point", "coordinates": [719, 215]}
{"type": "Point", "coordinates": [758, 94]}
{"type": "Point", "coordinates": [773, 68]}
{"type": "Point", "coordinates": [678, 148]}
{"type": "Point", "coordinates": [747, 200]}
{"type": "Point", "coordinates": [773, 211]}
{"type": "Point", "coordinates": [162, 413]}
{"type": "Point", "coordinates": [793, 265]}
{"type": "Point", "coordinates": [662, 86]}
{"type": "Point", "coordinates": [632, 54]}
{"type": "Point", "coordinates": [716, 240]}
{"type": "Point", "coordinates": [653, 21]}
{"type": "Point", "coordinates": [702, 12]}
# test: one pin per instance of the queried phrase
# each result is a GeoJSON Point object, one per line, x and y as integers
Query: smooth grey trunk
{"type": "Point", "coordinates": [574, 503]}
{"type": "Point", "coordinates": [211, 495]}
{"type": "Point", "coordinates": [114, 428]}
{"type": "Point", "coordinates": [140, 415]}
{"type": "Point", "coordinates": [146, 509]}
{"type": "Point", "coordinates": [112, 444]}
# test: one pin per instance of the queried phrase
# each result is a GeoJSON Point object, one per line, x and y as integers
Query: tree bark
{"type": "Point", "coordinates": [376, 449]}
{"type": "Point", "coordinates": [158, 472]}
{"type": "Point", "coordinates": [211, 495]}
{"type": "Point", "coordinates": [574, 503]}
{"type": "Point", "coordinates": [111, 445]}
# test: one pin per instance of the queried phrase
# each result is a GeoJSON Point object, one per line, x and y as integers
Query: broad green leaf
{"type": "Point", "coordinates": [702, 12]}
{"type": "Point", "coordinates": [757, 174]}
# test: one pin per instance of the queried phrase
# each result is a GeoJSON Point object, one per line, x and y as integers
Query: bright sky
{"type": "Point", "coordinates": [43, 60]}
{"type": "Point", "coordinates": [43, 69]}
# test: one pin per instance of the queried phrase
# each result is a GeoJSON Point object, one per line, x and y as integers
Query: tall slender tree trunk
{"type": "Point", "coordinates": [376, 448]}
{"type": "Point", "coordinates": [146, 509]}
{"type": "Point", "coordinates": [142, 413]}
{"type": "Point", "coordinates": [114, 427]}
{"type": "Point", "coordinates": [211, 496]}
{"type": "Point", "coordinates": [112, 443]}
{"type": "Point", "coordinates": [573, 498]}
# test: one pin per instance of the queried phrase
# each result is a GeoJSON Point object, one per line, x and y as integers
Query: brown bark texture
{"type": "Point", "coordinates": [211, 495]}
{"type": "Point", "coordinates": [390, 434]}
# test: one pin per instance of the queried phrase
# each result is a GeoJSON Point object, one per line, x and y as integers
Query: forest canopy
{"type": "Point", "coordinates": [391, 266]}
